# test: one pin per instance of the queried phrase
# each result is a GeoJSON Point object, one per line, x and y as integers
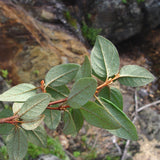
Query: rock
{"type": "Point", "coordinates": [148, 150]}
{"type": "Point", "coordinates": [3, 85]}
{"type": "Point", "coordinates": [117, 20]}
{"type": "Point", "coordinates": [48, 157]}
{"type": "Point", "coordinates": [149, 122]}
{"type": "Point", "coordinates": [152, 12]}
{"type": "Point", "coordinates": [47, 16]}
{"type": "Point", "coordinates": [120, 21]}
{"type": "Point", "coordinates": [29, 48]}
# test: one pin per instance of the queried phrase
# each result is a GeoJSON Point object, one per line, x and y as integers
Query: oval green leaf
{"type": "Point", "coordinates": [98, 116]}
{"type": "Point", "coordinates": [69, 125]}
{"type": "Point", "coordinates": [32, 124]}
{"type": "Point", "coordinates": [101, 78]}
{"type": "Point", "coordinates": [82, 91]}
{"type": "Point", "coordinates": [104, 58]}
{"type": "Point", "coordinates": [37, 136]}
{"type": "Point", "coordinates": [127, 130]}
{"type": "Point", "coordinates": [77, 118]}
{"type": "Point", "coordinates": [59, 92]}
{"type": "Point", "coordinates": [61, 74]}
{"type": "Point", "coordinates": [113, 94]}
{"type": "Point", "coordinates": [34, 106]}
{"type": "Point", "coordinates": [19, 93]}
{"type": "Point", "coordinates": [134, 76]}
{"type": "Point", "coordinates": [85, 70]}
{"type": "Point", "coordinates": [52, 118]}
{"type": "Point", "coordinates": [17, 144]}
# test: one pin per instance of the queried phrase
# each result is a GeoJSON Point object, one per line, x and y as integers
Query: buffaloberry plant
{"type": "Point", "coordinates": [57, 103]}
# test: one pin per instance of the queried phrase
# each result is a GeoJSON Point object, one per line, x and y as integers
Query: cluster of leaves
{"type": "Point", "coordinates": [57, 103]}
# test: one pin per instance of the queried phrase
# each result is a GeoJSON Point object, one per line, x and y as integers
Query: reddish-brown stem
{"type": "Point", "coordinates": [107, 82]}
{"type": "Point", "coordinates": [43, 86]}
{"type": "Point", "coordinates": [58, 108]}
{"type": "Point", "coordinates": [58, 101]}
{"type": "Point", "coordinates": [8, 119]}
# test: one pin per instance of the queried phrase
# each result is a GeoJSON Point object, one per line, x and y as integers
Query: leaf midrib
{"type": "Point", "coordinates": [125, 117]}
{"type": "Point", "coordinates": [69, 98]}
{"type": "Point", "coordinates": [99, 116]}
{"type": "Point", "coordinates": [132, 76]}
{"type": "Point", "coordinates": [34, 106]}
{"type": "Point", "coordinates": [20, 93]}
{"type": "Point", "coordinates": [70, 119]}
{"type": "Point", "coordinates": [103, 57]}
{"type": "Point", "coordinates": [38, 137]}
{"type": "Point", "coordinates": [103, 107]}
{"type": "Point", "coordinates": [61, 93]}
{"type": "Point", "coordinates": [60, 76]}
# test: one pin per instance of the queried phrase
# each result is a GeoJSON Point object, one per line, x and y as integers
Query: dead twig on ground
{"type": "Point", "coordinates": [114, 140]}
{"type": "Point", "coordinates": [148, 105]}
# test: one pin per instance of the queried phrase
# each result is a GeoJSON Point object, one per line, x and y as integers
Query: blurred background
{"type": "Point", "coordinates": [36, 35]}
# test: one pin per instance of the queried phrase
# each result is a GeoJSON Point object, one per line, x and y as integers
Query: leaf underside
{"type": "Point", "coordinates": [19, 93]}
{"type": "Point", "coordinates": [104, 58]}
{"type": "Point", "coordinates": [127, 130]}
{"type": "Point", "coordinates": [61, 74]}
{"type": "Point", "coordinates": [134, 76]}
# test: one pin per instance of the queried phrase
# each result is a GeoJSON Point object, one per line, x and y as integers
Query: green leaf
{"type": "Point", "coordinates": [77, 118]}
{"type": "Point", "coordinates": [52, 118]}
{"type": "Point", "coordinates": [37, 136]}
{"type": "Point", "coordinates": [127, 130]}
{"type": "Point", "coordinates": [101, 78]}
{"type": "Point", "coordinates": [112, 94]}
{"type": "Point", "coordinates": [59, 92]}
{"type": "Point", "coordinates": [85, 70]}
{"type": "Point", "coordinates": [104, 58]}
{"type": "Point", "coordinates": [19, 93]}
{"type": "Point", "coordinates": [16, 107]}
{"type": "Point", "coordinates": [34, 106]}
{"type": "Point", "coordinates": [69, 125]}
{"type": "Point", "coordinates": [98, 116]}
{"type": "Point", "coordinates": [82, 91]}
{"type": "Point", "coordinates": [5, 128]}
{"type": "Point", "coordinates": [32, 124]}
{"type": "Point", "coordinates": [17, 144]}
{"type": "Point", "coordinates": [61, 74]}
{"type": "Point", "coordinates": [134, 76]}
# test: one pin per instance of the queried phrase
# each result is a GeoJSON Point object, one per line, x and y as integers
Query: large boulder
{"type": "Point", "coordinates": [28, 47]}
{"type": "Point", "coordinates": [120, 21]}
{"type": "Point", "coordinates": [152, 12]}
